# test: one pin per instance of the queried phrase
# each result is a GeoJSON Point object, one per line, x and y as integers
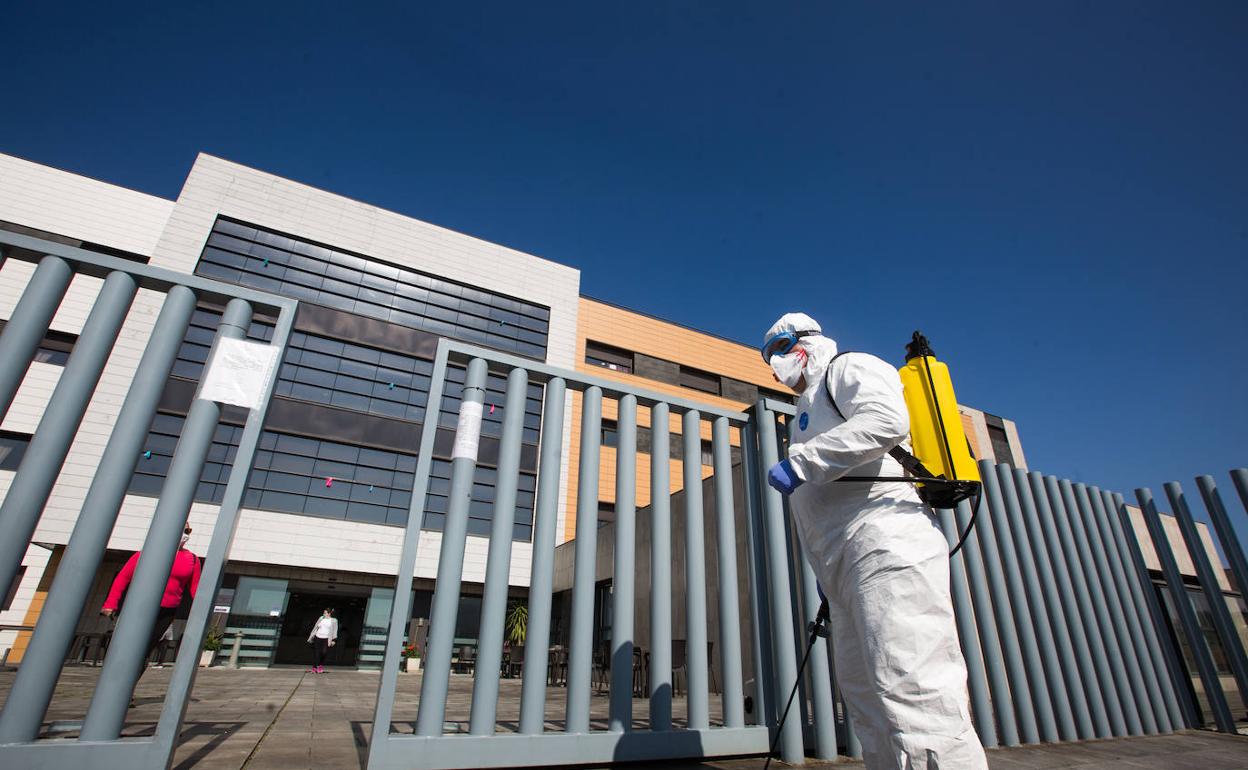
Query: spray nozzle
{"type": "Point", "coordinates": [918, 346]}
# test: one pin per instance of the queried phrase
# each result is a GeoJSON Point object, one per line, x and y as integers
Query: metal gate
{"type": "Point", "coordinates": [533, 743]}
{"type": "Point", "coordinates": [99, 743]}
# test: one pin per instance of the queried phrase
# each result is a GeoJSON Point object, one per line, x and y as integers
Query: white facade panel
{"type": "Point", "coordinates": [77, 207]}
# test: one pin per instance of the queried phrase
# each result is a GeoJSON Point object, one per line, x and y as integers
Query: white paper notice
{"type": "Point", "coordinates": [239, 373]}
{"type": "Point", "coordinates": [468, 432]}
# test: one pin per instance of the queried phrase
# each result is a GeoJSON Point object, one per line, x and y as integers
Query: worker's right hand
{"type": "Point", "coordinates": [783, 478]}
{"type": "Point", "coordinates": [108, 613]}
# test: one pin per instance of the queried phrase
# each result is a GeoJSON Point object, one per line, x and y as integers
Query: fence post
{"type": "Point", "coordinates": [1222, 622]}
{"type": "Point", "coordinates": [1187, 616]}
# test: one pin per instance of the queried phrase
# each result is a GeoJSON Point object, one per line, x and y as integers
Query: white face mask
{"type": "Point", "coordinates": [185, 539]}
{"type": "Point", "coordinates": [789, 368]}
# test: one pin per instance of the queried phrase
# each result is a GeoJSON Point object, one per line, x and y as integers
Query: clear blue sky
{"type": "Point", "coordinates": [1057, 193]}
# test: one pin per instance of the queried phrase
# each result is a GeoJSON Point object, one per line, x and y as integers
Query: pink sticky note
{"type": "Point", "coordinates": [329, 481]}
{"type": "Point", "coordinates": [491, 409]}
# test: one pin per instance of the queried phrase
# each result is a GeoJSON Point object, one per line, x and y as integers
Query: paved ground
{"type": "Point", "coordinates": [284, 718]}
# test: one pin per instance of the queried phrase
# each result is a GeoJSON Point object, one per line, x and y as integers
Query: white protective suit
{"type": "Point", "coordinates": [882, 560]}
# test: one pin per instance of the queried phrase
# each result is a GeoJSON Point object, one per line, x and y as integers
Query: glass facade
{"type": "Point", "coordinates": [309, 272]}
{"type": "Point", "coordinates": [317, 466]}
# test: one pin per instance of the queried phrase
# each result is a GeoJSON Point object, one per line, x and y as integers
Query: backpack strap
{"type": "Point", "coordinates": [908, 461]}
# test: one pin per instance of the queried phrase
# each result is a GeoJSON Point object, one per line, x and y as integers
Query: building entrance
{"type": "Point", "coordinates": [302, 611]}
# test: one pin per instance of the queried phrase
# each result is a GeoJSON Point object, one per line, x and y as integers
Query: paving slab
{"type": "Point", "coordinates": [256, 719]}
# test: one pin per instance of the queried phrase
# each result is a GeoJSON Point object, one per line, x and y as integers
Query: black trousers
{"type": "Point", "coordinates": [320, 650]}
{"type": "Point", "coordinates": [163, 619]}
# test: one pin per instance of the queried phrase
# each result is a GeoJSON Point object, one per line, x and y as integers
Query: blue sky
{"type": "Point", "coordinates": [1057, 193]}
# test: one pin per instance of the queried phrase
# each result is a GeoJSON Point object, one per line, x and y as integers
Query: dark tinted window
{"type": "Point", "coordinates": [265, 260]}
{"type": "Point", "coordinates": [616, 359]}
{"type": "Point", "coordinates": [699, 380]}
{"type": "Point", "coordinates": [12, 449]}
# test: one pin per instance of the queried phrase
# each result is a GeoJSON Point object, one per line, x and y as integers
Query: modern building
{"type": "Point", "coordinates": [329, 492]}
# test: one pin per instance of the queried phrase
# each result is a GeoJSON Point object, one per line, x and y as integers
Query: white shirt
{"type": "Point", "coordinates": [325, 628]}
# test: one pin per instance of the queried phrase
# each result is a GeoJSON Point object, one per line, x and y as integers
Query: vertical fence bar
{"type": "Point", "coordinates": [580, 656]}
{"type": "Point", "coordinates": [759, 613]}
{"type": "Point", "coordinates": [695, 575]}
{"type": "Point", "coordinates": [1074, 716]}
{"type": "Point", "coordinates": [660, 569]}
{"type": "Point", "coordinates": [1176, 689]}
{"type": "Point", "coordinates": [1062, 499]}
{"type": "Point", "coordinates": [823, 710]}
{"type": "Point", "coordinates": [1052, 704]}
{"type": "Point", "coordinates": [28, 324]}
{"type": "Point", "coordinates": [1059, 544]}
{"type": "Point", "coordinates": [1222, 622]}
{"type": "Point", "coordinates": [1117, 595]}
{"type": "Point", "coordinates": [1239, 477]}
{"type": "Point", "coordinates": [729, 612]}
{"type": "Point", "coordinates": [1226, 532]}
{"type": "Point", "coordinates": [37, 676]}
{"type": "Point", "coordinates": [1022, 654]}
{"type": "Point", "coordinates": [622, 584]}
{"type": "Point", "coordinates": [986, 624]}
{"type": "Point", "coordinates": [1187, 616]}
{"type": "Point", "coordinates": [1011, 648]}
{"type": "Point", "coordinates": [1152, 709]}
{"type": "Point", "coordinates": [400, 609]}
{"type": "Point", "coordinates": [186, 665]}
{"type": "Point", "coordinates": [436, 679]}
{"type": "Point", "coordinates": [1022, 512]}
{"type": "Point", "coordinates": [1094, 563]}
{"type": "Point", "coordinates": [541, 582]}
{"type": "Point", "coordinates": [127, 650]}
{"type": "Point", "coordinates": [780, 588]}
{"type": "Point", "coordinates": [964, 613]}
{"type": "Point", "coordinates": [498, 561]}
{"type": "Point", "coordinates": [25, 501]}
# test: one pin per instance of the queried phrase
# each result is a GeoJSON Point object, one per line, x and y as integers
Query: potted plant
{"type": "Point", "coordinates": [212, 643]}
{"type": "Point", "coordinates": [411, 658]}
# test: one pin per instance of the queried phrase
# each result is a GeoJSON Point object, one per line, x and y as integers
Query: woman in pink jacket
{"type": "Point", "coordinates": [184, 575]}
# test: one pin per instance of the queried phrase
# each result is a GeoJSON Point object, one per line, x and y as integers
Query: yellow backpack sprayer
{"type": "Point", "coordinates": [941, 466]}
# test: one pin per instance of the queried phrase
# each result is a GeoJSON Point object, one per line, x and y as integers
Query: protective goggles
{"type": "Point", "coordinates": [782, 343]}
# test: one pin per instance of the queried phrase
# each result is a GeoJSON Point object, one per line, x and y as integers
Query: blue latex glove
{"type": "Point", "coordinates": [783, 478]}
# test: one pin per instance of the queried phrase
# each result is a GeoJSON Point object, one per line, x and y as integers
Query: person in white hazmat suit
{"type": "Point", "coordinates": [878, 553]}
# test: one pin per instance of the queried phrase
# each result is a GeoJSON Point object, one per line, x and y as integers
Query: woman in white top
{"type": "Point", "coordinates": [322, 638]}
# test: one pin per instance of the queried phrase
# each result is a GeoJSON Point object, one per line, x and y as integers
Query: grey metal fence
{"type": "Point", "coordinates": [100, 743]}
{"type": "Point", "coordinates": [579, 741]}
{"type": "Point", "coordinates": [1064, 633]}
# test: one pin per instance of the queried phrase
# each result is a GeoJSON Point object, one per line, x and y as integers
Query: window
{"type": "Point", "coordinates": [1000, 444]}
{"type": "Point", "coordinates": [12, 449]}
{"type": "Point", "coordinates": [615, 359]}
{"type": "Point", "coordinates": [54, 348]}
{"type": "Point", "coordinates": [162, 438]}
{"type": "Point", "coordinates": [308, 272]}
{"type": "Point", "coordinates": [294, 474]}
{"type": "Point", "coordinates": [699, 380]}
{"type": "Point", "coordinates": [606, 514]}
{"type": "Point", "coordinates": [610, 433]}
{"type": "Point", "coordinates": [17, 581]}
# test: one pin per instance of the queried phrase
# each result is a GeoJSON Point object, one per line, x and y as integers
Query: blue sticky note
{"type": "Point", "coordinates": [147, 455]}
{"type": "Point", "coordinates": [392, 386]}
{"type": "Point", "coordinates": [266, 263]}
{"type": "Point", "coordinates": [370, 487]}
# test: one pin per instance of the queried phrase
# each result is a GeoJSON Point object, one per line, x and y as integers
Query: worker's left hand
{"type": "Point", "coordinates": [331, 642]}
{"type": "Point", "coordinates": [783, 478]}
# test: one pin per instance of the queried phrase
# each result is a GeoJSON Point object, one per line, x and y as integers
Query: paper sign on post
{"type": "Point", "coordinates": [468, 432]}
{"type": "Point", "coordinates": [239, 373]}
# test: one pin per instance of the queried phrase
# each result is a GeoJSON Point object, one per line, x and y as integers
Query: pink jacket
{"type": "Point", "coordinates": [185, 571]}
